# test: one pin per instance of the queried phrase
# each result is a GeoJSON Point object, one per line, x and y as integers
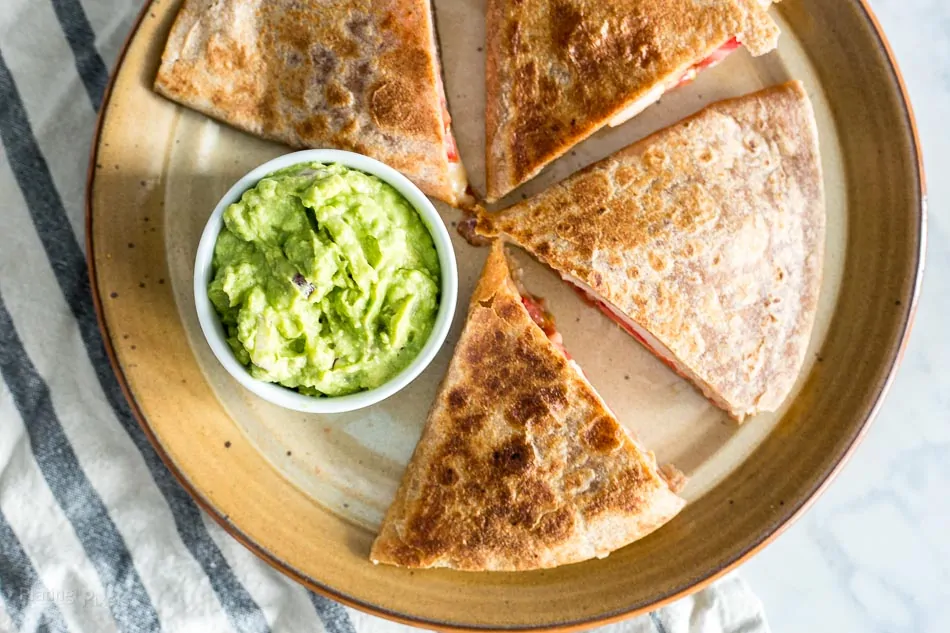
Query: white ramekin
{"type": "Point", "coordinates": [214, 331]}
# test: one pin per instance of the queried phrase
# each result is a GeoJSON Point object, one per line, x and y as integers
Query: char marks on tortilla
{"type": "Point", "coordinates": [559, 70]}
{"type": "Point", "coordinates": [359, 75]}
{"type": "Point", "coordinates": [521, 465]}
{"type": "Point", "coordinates": [708, 236]}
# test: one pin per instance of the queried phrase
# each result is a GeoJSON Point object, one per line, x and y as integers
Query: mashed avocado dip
{"type": "Point", "coordinates": [326, 280]}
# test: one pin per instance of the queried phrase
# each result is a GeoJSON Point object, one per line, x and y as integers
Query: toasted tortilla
{"type": "Point", "coordinates": [521, 465]}
{"type": "Point", "coordinates": [359, 75]}
{"type": "Point", "coordinates": [559, 70]}
{"type": "Point", "coordinates": [704, 240]}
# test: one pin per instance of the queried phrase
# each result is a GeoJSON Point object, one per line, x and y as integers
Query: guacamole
{"type": "Point", "coordinates": [325, 279]}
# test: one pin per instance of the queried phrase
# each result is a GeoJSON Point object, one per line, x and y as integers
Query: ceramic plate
{"type": "Point", "coordinates": [307, 492]}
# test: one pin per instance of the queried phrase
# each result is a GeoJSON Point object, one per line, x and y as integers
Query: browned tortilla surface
{"type": "Point", "coordinates": [360, 75]}
{"type": "Point", "coordinates": [559, 70]}
{"type": "Point", "coordinates": [709, 235]}
{"type": "Point", "coordinates": [521, 465]}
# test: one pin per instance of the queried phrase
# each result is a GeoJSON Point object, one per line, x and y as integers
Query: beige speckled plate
{"type": "Point", "coordinates": [307, 492]}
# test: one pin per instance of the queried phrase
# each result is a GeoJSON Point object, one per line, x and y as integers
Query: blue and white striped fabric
{"type": "Point", "coordinates": [95, 534]}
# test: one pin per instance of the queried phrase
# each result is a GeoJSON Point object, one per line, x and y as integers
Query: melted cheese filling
{"type": "Point", "coordinates": [458, 179]}
{"type": "Point", "coordinates": [638, 106]}
{"type": "Point", "coordinates": [659, 90]}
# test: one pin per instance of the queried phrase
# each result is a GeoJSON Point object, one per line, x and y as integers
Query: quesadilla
{"type": "Point", "coordinates": [559, 70]}
{"type": "Point", "coordinates": [704, 241]}
{"type": "Point", "coordinates": [359, 75]}
{"type": "Point", "coordinates": [521, 465]}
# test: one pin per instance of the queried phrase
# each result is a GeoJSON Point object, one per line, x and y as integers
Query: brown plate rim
{"type": "Point", "coordinates": [764, 539]}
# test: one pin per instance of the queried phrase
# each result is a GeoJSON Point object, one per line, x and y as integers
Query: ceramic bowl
{"type": "Point", "coordinates": [288, 398]}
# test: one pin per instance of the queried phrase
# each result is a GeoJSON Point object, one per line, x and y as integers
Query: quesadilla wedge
{"type": "Point", "coordinates": [521, 465]}
{"type": "Point", "coordinates": [704, 241]}
{"type": "Point", "coordinates": [559, 70]}
{"type": "Point", "coordinates": [360, 75]}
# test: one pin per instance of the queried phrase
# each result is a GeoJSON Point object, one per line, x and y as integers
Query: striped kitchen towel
{"type": "Point", "coordinates": [95, 534]}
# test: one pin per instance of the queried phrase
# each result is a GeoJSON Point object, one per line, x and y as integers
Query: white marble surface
{"type": "Point", "coordinates": [873, 554]}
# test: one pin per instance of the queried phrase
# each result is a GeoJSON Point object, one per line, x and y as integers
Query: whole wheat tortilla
{"type": "Point", "coordinates": [360, 75]}
{"type": "Point", "coordinates": [559, 70]}
{"type": "Point", "coordinates": [521, 465]}
{"type": "Point", "coordinates": [708, 234]}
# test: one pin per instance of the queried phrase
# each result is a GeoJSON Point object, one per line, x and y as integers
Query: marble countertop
{"type": "Point", "coordinates": [873, 554]}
